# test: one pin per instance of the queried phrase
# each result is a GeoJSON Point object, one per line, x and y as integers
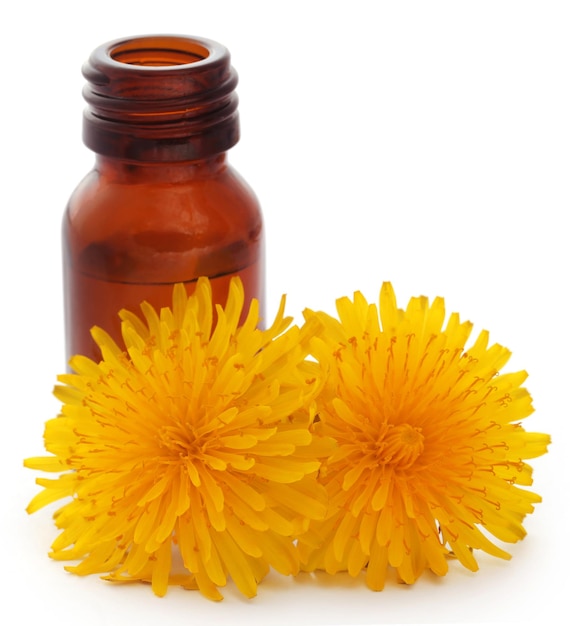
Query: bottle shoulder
{"type": "Point", "coordinates": [103, 200]}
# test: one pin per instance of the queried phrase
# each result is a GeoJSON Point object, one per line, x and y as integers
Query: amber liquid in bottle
{"type": "Point", "coordinates": [162, 205]}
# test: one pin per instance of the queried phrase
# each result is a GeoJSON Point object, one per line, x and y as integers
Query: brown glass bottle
{"type": "Point", "coordinates": [162, 205]}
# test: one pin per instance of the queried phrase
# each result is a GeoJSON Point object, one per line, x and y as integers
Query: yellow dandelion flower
{"type": "Point", "coordinates": [196, 443]}
{"type": "Point", "coordinates": [431, 451]}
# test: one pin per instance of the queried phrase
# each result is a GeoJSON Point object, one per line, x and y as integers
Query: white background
{"type": "Point", "coordinates": [425, 143]}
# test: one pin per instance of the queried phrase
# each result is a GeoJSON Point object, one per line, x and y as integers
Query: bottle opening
{"type": "Point", "coordinates": [159, 52]}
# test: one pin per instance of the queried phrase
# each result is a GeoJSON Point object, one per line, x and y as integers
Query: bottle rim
{"type": "Point", "coordinates": [170, 51]}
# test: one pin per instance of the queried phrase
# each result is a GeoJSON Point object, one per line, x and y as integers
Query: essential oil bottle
{"type": "Point", "coordinates": [162, 204]}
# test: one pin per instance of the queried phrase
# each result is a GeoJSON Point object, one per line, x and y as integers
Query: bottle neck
{"type": "Point", "coordinates": [160, 99]}
{"type": "Point", "coordinates": [123, 171]}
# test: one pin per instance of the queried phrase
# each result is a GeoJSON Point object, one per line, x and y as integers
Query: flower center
{"type": "Point", "coordinates": [401, 446]}
{"type": "Point", "coordinates": [180, 442]}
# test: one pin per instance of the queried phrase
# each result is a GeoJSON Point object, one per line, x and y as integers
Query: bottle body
{"type": "Point", "coordinates": [131, 231]}
{"type": "Point", "coordinates": [162, 205]}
